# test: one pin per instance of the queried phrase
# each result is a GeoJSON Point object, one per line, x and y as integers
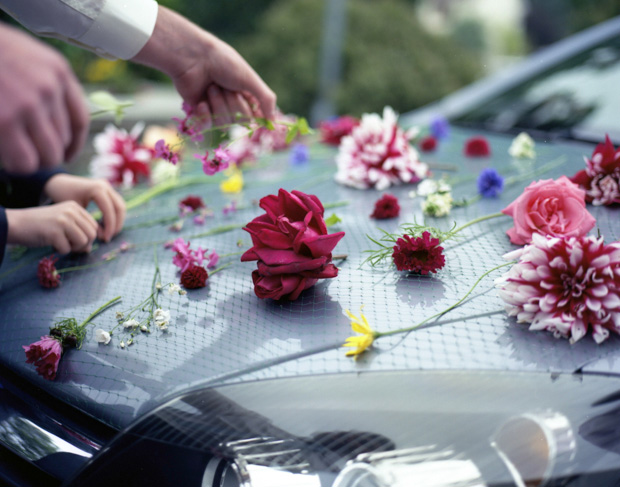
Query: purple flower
{"type": "Point", "coordinates": [299, 154]}
{"type": "Point", "coordinates": [440, 127]}
{"type": "Point", "coordinates": [490, 183]}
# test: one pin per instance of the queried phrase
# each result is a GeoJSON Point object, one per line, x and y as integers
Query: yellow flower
{"type": "Point", "coordinates": [234, 183]}
{"type": "Point", "coordinates": [360, 342]}
{"type": "Point", "coordinates": [104, 69]}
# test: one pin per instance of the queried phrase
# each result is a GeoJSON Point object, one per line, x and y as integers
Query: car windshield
{"type": "Point", "coordinates": [577, 98]}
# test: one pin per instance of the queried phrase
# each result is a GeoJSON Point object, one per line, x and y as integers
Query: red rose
{"type": "Point", "coordinates": [477, 147]}
{"type": "Point", "coordinates": [334, 130]}
{"type": "Point", "coordinates": [601, 177]}
{"type": "Point", "coordinates": [194, 277]}
{"type": "Point", "coordinates": [45, 355]}
{"type": "Point", "coordinates": [291, 245]}
{"type": "Point", "coordinates": [386, 207]}
{"type": "Point", "coordinates": [193, 202]}
{"type": "Point", "coordinates": [428, 144]}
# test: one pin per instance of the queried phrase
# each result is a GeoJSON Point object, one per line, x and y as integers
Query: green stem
{"type": "Point", "coordinates": [476, 220]}
{"type": "Point", "coordinates": [335, 204]}
{"type": "Point", "coordinates": [81, 267]}
{"type": "Point", "coordinates": [98, 310]}
{"type": "Point", "coordinates": [220, 268]}
{"type": "Point", "coordinates": [378, 334]}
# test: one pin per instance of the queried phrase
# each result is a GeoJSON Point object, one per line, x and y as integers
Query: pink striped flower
{"type": "Point", "coordinates": [568, 286]}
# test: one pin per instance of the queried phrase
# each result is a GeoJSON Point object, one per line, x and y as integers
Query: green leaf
{"type": "Point", "coordinates": [302, 126]}
{"type": "Point", "coordinates": [105, 102]}
{"type": "Point", "coordinates": [291, 134]}
{"type": "Point", "coordinates": [332, 220]}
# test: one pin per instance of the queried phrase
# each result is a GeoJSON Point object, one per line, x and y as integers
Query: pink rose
{"type": "Point", "coordinates": [550, 208]}
{"type": "Point", "coordinates": [45, 355]}
{"type": "Point", "coordinates": [291, 245]}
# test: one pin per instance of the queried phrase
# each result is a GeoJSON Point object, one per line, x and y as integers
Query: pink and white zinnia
{"type": "Point", "coordinates": [565, 285]}
{"type": "Point", "coordinates": [378, 154]}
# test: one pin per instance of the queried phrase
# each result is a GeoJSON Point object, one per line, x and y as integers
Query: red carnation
{"type": "Point", "coordinates": [477, 147]}
{"type": "Point", "coordinates": [386, 207]}
{"type": "Point", "coordinates": [193, 202]}
{"type": "Point", "coordinates": [428, 144]}
{"type": "Point", "coordinates": [47, 273]}
{"type": "Point", "coordinates": [194, 277]}
{"type": "Point", "coordinates": [291, 245]}
{"type": "Point", "coordinates": [334, 130]}
{"type": "Point", "coordinates": [45, 355]}
{"type": "Point", "coordinates": [418, 254]}
{"type": "Point", "coordinates": [601, 177]}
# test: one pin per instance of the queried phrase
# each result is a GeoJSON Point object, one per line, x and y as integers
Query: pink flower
{"type": "Point", "coordinates": [47, 273]}
{"type": "Point", "coordinates": [332, 131]}
{"type": "Point", "coordinates": [221, 160]}
{"type": "Point", "coordinates": [291, 245]}
{"type": "Point", "coordinates": [45, 355]}
{"type": "Point", "coordinates": [230, 208]}
{"type": "Point", "coordinates": [601, 177]}
{"type": "Point", "coordinates": [120, 158]}
{"type": "Point", "coordinates": [378, 154]}
{"type": "Point", "coordinates": [548, 207]}
{"type": "Point", "coordinates": [420, 255]}
{"type": "Point", "coordinates": [214, 258]}
{"type": "Point", "coordinates": [386, 207]}
{"type": "Point", "coordinates": [191, 125]}
{"type": "Point", "coordinates": [163, 151]}
{"type": "Point", "coordinates": [477, 147]}
{"type": "Point", "coordinates": [565, 285]}
{"type": "Point", "coordinates": [186, 257]}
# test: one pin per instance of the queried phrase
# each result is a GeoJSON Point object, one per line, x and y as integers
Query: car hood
{"type": "Point", "coordinates": [223, 333]}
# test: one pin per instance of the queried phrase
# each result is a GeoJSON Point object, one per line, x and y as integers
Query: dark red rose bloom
{"type": "Point", "coordinates": [194, 277]}
{"type": "Point", "coordinates": [601, 177]}
{"type": "Point", "coordinates": [477, 147]}
{"type": "Point", "coordinates": [47, 273]}
{"type": "Point", "coordinates": [386, 207]}
{"type": "Point", "coordinates": [45, 355]}
{"type": "Point", "coordinates": [193, 202]}
{"type": "Point", "coordinates": [291, 245]}
{"type": "Point", "coordinates": [334, 130]}
{"type": "Point", "coordinates": [418, 254]}
{"type": "Point", "coordinates": [428, 144]}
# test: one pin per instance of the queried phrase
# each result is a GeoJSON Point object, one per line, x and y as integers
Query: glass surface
{"type": "Point", "coordinates": [579, 95]}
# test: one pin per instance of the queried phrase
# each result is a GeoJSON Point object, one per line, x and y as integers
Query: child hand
{"type": "Point", "coordinates": [65, 187]}
{"type": "Point", "coordinates": [66, 226]}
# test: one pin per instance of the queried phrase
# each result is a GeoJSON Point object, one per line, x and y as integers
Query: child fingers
{"type": "Point", "coordinates": [103, 199]}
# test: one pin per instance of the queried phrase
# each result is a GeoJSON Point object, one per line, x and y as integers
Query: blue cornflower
{"type": "Point", "coordinates": [440, 127]}
{"type": "Point", "coordinates": [299, 154]}
{"type": "Point", "coordinates": [490, 183]}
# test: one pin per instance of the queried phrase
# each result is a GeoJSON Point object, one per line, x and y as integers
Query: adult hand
{"type": "Point", "coordinates": [208, 73]}
{"type": "Point", "coordinates": [65, 187]}
{"type": "Point", "coordinates": [66, 226]}
{"type": "Point", "coordinates": [44, 118]}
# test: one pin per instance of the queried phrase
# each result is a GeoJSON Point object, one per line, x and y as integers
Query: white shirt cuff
{"type": "Point", "coordinates": [122, 28]}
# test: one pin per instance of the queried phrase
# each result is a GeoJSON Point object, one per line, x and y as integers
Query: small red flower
{"type": "Point", "coordinates": [477, 147]}
{"type": "Point", "coordinates": [47, 273]}
{"type": "Point", "coordinates": [194, 277]}
{"type": "Point", "coordinates": [386, 207]}
{"type": "Point", "coordinates": [332, 131]}
{"type": "Point", "coordinates": [428, 144]}
{"type": "Point", "coordinates": [193, 202]}
{"type": "Point", "coordinates": [45, 355]}
{"type": "Point", "coordinates": [601, 177]}
{"type": "Point", "coordinates": [418, 254]}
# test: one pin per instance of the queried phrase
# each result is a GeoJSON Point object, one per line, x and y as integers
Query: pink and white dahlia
{"type": "Point", "coordinates": [378, 154]}
{"type": "Point", "coordinates": [565, 285]}
{"type": "Point", "coordinates": [120, 157]}
{"type": "Point", "coordinates": [601, 177]}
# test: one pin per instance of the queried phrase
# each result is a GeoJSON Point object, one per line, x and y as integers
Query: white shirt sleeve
{"type": "Point", "coordinates": [116, 29]}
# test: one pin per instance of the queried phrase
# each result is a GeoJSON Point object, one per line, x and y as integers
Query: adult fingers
{"type": "Point", "coordinates": [78, 116]}
{"type": "Point", "coordinates": [265, 96]}
{"type": "Point", "coordinates": [219, 108]}
{"type": "Point", "coordinates": [238, 106]}
{"type": "Point", "coordinates": [61, 121]}
{"type": "Point", "coordinates": [45, 139]}
{"type": "Point", "coordinates": [17, 151]}
{"type": "Point", "coordinates": [203, 113]}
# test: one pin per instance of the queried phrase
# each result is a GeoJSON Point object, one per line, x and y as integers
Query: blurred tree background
{"type": "Point", "coordinates": [403, 53]}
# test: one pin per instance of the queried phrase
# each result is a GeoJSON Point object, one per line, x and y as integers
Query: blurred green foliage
{"type": "Point", "coordinates": [388, 58]}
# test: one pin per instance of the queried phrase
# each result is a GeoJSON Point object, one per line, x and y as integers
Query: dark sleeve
{"type": "Point", "coordinates": [25, 191]}
{"type": "Point", "coordinates": [4, 231]}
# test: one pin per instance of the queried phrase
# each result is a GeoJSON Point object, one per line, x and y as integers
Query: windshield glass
{"type": "Point", "coordinates": [577, 98]}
